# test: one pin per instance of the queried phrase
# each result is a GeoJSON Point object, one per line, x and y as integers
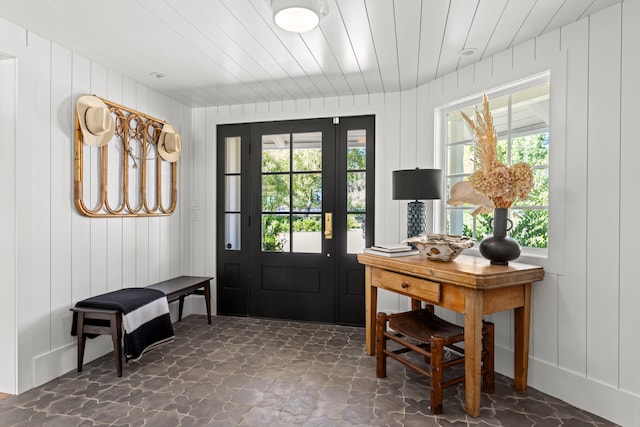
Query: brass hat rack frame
{"type": "Point", "coordinates": [131, 126]}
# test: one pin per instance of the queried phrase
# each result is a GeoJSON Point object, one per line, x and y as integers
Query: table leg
{"type": "Point", "coordinates": [371, 308]}
{"type": "Point", "coordinates": [522, 321]}
{"type": "Point", "coordinates": [473, 350]}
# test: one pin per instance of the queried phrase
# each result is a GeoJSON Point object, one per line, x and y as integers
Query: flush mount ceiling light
{"type": "Point", "coordinates": [298, 16]}
{"type": "Point", "coordinates": [468, 51]}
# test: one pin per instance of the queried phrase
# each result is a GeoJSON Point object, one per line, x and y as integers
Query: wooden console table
{"type": "Point", "coordinates": [468, 285]}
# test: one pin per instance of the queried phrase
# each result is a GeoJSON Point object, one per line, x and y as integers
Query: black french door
{"type": "Point", "coordinates": [295, 203]}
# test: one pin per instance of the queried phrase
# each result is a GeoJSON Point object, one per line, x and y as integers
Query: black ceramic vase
{"type": "Point", "coordinates": [500, 249]}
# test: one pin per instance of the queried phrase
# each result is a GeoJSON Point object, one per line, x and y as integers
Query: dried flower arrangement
{"type": "Point", "coordinates": [501, 184]}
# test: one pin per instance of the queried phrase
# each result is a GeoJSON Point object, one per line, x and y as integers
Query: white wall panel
{"type": "Point", "coordinates": [8, 334]}
{"type": "Point", "coordinates": [483, 70]}
{"type": "Point", "coordinates": [544, 320]}
{"type": "Point", "coordinates": [198, 196]}
{"type": "Point", "coordinates": [142, 224]}
{"type": "Point", "coordinates": [42, 193]}
{"type": "Point", "coordinates": [547, 44]}
{"type": "Point", "coordinates": [80, 226]}
{"type": "Point", "coordinates": [62, 123]}
{"type": "Point", "coordinates": [572, 310]}
{"type": "Point", "coordinates": [153, 109]}
{"type": "Point", "coordinates": [391, 226]}
{"type": "Point", "coordinates": [165, 224]}
{"type": "Point", "coordinates": [629, 201]}
{"type": "Point", "coordinates": [181, 243]}
{"type": "Point", "coordinates": [25, 209]}
{"type": "Point", "coordinates": [524, 54]}
{"type": "Point", "coordinates": [407, 138]}
{"type": "Point", "coordinates": [99, 87]}
{"type": "Point", "coordinates": [130, 263]}
{"type": "Point", "coordinates": [114, 225]}
{"type": "Point", "coordinates": [603, 199]}
{"type": "Point", "coordinates": [209, 202]}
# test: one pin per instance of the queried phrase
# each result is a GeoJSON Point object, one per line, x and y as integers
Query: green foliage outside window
{"type": "Point", "coordinates": [530, 226]}
{"type": "Point", "coordinates": [304, 181]}
{"type": "Point", "coordinates": [275, 230]}
{"type": "Point", "coordinates": [306, 188]}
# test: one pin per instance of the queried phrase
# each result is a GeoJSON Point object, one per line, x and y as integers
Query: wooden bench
{"type": "Point", "coordinates": [180, 287]}
{"type": "Point", "coordinates": [109, 322]}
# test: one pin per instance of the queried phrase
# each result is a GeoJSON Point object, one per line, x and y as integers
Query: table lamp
{"type": "Point", "coordinates": [416, 184]}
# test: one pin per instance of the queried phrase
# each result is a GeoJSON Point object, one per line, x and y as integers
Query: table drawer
{"type": "Point", "coordinates": [422, 289]}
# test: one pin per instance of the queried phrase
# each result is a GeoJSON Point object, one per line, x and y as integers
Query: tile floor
{"type": "Point", "coordinates": [255, 372]}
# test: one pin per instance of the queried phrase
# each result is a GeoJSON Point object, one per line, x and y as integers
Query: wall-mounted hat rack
{"type": "Point", "coordinates": [126, 175]}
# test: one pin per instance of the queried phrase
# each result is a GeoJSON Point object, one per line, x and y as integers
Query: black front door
{"type": "Point", "coordinates": [297, 197]}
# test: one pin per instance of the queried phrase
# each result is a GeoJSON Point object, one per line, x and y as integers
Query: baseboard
{"type": "Point", "coordinates": [58, 362]}
{"type": "Point", "coordinates": [603, 400]}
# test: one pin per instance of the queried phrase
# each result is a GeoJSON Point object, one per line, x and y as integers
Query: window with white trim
{"type": "Point", "coordinates": [521, 119]}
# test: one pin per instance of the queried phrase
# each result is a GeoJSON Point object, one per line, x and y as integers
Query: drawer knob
{"type": "Point", "coordinates": [404, 285]}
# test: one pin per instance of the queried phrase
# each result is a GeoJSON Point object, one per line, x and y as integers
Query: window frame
{"type": "Point", "coordinates": [552, 257]}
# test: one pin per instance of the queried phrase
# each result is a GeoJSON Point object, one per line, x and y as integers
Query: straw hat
{"type": "Point", "coordinates": [169, 144]}
{"type": "Point", "coordinates": [96, 121]}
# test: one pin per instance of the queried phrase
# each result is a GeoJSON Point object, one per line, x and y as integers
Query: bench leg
{"type": "Point", "coordinates": [116, 336]}
{"type": "Point", "coordinates": [207, 300]}
{"type": "Point", "coordinates": [81, 340]}
{"type": "Point", "coordinates": [180, 307]}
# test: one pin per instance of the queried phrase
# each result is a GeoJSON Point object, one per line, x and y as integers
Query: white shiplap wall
{"type": "Point", "coordinates": [51, 256]}
{"type": "Point", "coordinates": [585, 317]}
{"type": "Point", "coordinates": [584, 342]}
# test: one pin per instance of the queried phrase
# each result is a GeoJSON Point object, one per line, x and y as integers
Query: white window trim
{"type": "Point", "coordinates": [551, 258]}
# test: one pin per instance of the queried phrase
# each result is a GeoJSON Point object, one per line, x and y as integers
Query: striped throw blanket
{"type": "Point", "coordinates": [145, 318]}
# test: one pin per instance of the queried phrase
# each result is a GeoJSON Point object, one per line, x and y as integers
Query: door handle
{"type": "Point", "coordinates": [328, 225]}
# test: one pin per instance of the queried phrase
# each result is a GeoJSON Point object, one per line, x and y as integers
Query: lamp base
{"type": "Point", "coordinates": [416, 219]}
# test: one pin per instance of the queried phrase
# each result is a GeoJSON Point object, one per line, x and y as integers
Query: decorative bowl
{"type": "Point", "coordinates": [441, 247]}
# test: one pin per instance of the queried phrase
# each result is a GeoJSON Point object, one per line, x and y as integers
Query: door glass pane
{"type": "Point", "coordinates": [232, 193]}
{"type": "Point", "coordinates": [232, 154]}
{"type": "Point", "coordinates": [356, 189]}
{"type": "Point", "coordinates": [307, 152]}
{"type": "Point", "coordinates": [307, 233]}
{"type": "Point", "coordinates": [232, 231]}
{"type": "Point", "coordinates": [275, 233]}
{"type": "Point", "coordinates": [275, 193]}
{"type": "Point", "coordinates": [357, 149]}
{"type": "Point", "coordinates": [275, 153]}
{"type": "Point", "coordinates": [356, 228]}
{"type": "Point", "coordinates": [292, 184]}
{"type": "Point", "coordinates": [307, 192]}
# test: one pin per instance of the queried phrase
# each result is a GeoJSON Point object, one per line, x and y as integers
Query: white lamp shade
{"type": "Point", "coordinates": [298, 16]}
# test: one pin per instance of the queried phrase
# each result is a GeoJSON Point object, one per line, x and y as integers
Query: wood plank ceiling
{"type": "Point", "coordinates": [225, 52]}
